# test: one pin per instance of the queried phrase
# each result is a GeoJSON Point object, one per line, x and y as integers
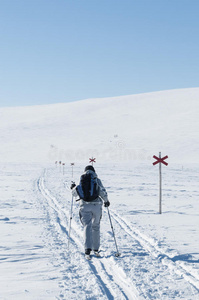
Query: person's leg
{"type": "Point", "coordinates": [86, 219]}
{"type": "Point", "coordinates": [97, 214]}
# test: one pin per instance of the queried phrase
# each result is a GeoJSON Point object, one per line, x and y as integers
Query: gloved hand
{"type": "Point", "coordinates": [72, 185]}
{"type": "Point", "coordinates": [107, 203]}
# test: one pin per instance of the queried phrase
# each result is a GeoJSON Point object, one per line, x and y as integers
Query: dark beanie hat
{"type": "Point", "coordinates": [89, 168]}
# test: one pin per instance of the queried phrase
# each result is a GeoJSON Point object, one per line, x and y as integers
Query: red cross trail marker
{"type": "Point", "coordinates": [160, 160]}
{"type": "Point", "coordinates": [92, 160]}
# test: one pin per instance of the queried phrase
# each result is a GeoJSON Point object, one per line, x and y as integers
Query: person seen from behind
{"type": "Point", "coordinates": [92, 195]}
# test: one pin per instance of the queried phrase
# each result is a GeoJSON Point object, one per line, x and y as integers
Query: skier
{"type": "Point", "coordinates": [91, 212]}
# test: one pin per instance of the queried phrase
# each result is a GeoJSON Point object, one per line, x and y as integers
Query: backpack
{"type": "Point", "coordinates": [88, 189]}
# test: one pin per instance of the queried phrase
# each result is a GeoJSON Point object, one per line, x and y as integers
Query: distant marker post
{"type": "Point", "coordinates": [72, 165]}
{"type": "Point", "coordinates": [60, 165]}
{"type": "Point", "coordinates": [63, 164]}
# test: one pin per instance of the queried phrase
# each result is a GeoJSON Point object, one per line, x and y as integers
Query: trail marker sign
{"type": "Point", "coordinates": [92, 160]}
{"type": "Point", "coordinates": [160, 160]}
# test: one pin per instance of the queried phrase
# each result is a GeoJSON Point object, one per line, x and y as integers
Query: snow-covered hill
{"type": "Point", "coordinates": [120, 129]}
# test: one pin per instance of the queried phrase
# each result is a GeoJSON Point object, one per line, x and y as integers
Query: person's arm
{"type": "Point", "coordinates": [103, 193]}
{"type": "Point", "coordinates": [74, 191]}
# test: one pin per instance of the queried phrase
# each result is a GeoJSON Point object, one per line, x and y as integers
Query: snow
{"type": "Point", "coordinates": [159, 253]}
{"type": "Point", "coordinates": [122, 128]}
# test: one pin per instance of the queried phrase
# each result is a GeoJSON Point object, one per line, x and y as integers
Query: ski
{"type": "Point", "coordinates": [87, 256]}
{"type": "Point", "coordinates": [97, 254]}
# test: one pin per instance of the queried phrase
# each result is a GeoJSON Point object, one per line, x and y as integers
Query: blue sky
{"type": "Point", "coordinates": [66, 50]}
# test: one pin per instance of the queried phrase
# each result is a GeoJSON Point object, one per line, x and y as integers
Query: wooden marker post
{"type": "Point", "coordinates": [63, 164]}
{"type": "Point", "coordinates": [160, 183]}
{"type": "Point", "coordinates": [72, 164]}
{"type": "Point", "coordinates": [160, 161]}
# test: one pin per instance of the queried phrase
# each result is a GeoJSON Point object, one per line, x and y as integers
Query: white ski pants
{"type": "Point", "coordinates": [90, 216]}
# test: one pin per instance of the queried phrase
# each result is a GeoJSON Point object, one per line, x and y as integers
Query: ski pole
{"type": "Point", "coordinates": [116, 254]}
{"type": "Point", "coordinates": [70, 221]}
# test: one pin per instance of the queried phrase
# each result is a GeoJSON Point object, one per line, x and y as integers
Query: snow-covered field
{"type": "Point", "coordinates": [159, 253]}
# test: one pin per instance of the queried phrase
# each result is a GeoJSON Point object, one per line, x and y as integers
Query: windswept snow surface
{"type": "Point", "coordinates": [159, 253]}
{"type": "Point", "coordinates": [128, 128]}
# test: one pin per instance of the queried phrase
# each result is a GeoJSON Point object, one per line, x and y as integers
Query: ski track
{"type": "Point", "coordinates": [111, 280]}
{"type": "Point", "coordinates": [151, 246]}
{"type": "Point", "coordinates": [125, 277]}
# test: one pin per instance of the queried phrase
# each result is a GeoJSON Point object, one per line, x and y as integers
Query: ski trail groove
{"type": "Point", "coordinates": [52, 202]}
{"type": "Point", "coordinates": [111, 278]}
{"type": "Point", "coordinates": [150, 245]}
